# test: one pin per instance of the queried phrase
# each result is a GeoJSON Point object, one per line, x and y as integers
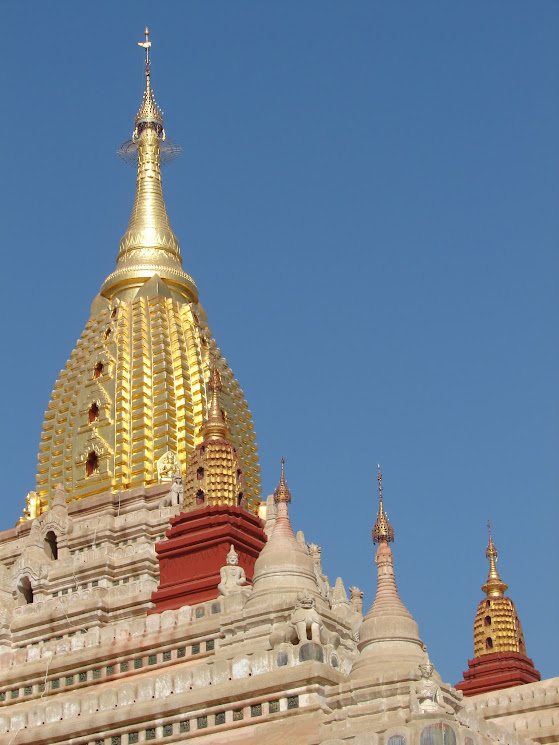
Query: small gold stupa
{"type": "Point", "coordinates": [497, 627]}
{"type": "Point", "coordinates": [128, 407]}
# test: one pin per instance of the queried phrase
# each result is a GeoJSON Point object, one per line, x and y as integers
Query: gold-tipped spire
{"type": "Point", "coordinates": [149, 112]}
{"type": "Point", "coordinates": [149, 247]}
{"type": "Point", "coordinates": [215, 425]}
{"type": "Point", "coordinates": [494, 587]}
{"type": "Point", "coordinates": [215, 474]}
{"type": "Point", "coordinates": [383, 532]}
{"type": "Point", "coordinates": [282, 493]}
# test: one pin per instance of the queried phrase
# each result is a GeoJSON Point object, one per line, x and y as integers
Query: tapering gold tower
{"type": "Point", "coordinates": [500, 659]}
{"type": "Point", "coordinates": [127, 409]}
{"type": "Point", "coordinates": [215, 473]}
{"type": "Point", "coordinates": [497, 627]}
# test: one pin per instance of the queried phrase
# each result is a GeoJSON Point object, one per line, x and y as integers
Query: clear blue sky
{"type": "Point", "coordinates": [367, 200]}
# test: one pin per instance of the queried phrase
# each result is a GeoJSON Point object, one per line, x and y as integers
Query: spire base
{"type": "Point", "coordinates": [492, 672]}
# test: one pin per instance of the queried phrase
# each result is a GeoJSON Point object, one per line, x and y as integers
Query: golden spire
{"type": "Point", "coordinates": [149, 247]}
{"type": "Point", "coordinates": [215, 425]}
{"type": "Point", "coordinates": [383, 532]}
{"type": "Point", "coordinates": [282, 493]}
{"type": "Point", "coordinates": [494, 587]}
{"type": "Point", "coordinates": [215, 474]}
{"type": "Point", "coordinates": [149, 112]}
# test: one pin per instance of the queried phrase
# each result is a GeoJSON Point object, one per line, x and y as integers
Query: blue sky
{"type": "Point", "coordinates": [367, 200]}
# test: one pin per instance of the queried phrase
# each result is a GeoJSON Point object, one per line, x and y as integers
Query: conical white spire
{"type": "Point", "coordinates": [389, 642]}
{"type": "Point", "coordinates": [284, 568]}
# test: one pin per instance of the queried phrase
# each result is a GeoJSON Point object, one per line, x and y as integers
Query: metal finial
{"type": "Point", "coordinates": [150, 117]}
{"type": "Point", "coordinates": [215, 424]}
{"type": "Point", "coordinates": [146, 45]}
{"type": "Point", "coordinates": [491, 550]}
{"type": "Point", "coordinates": [282, 493]}
{"type": "Point", "coordinates": [494, 587]}
{"type": "Point", "coordinates": [383, 532]}
{"type": "Point", "coordinates": [214, 382]}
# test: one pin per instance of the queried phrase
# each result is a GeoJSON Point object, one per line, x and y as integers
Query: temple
{"type": "Point", "coordinates": [151, 592]}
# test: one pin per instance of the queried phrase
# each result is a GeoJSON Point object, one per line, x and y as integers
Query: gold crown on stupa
{"type": "Point", "coordinates": [149, 112]}
{"type": "Point", "coordinates": [383, 532]}
{"type": "Point", "coordinates": [282, 493]}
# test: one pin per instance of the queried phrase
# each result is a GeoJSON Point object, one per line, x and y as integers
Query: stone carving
{"type": "Point", "coordinates": [356, 599]}
{"type": "Point", "coordinates": [321, 579]}
{"type": "Point", "coordinates": [232, 575]}
{"type": "Point", "coordinates": [167, 466]}
{"type": "Point", "coordinates": [305, 624]}
{"type": "Point", "coordinates": [301, 540]}
{"type": "Point", "coordinates": [425, 695]}
{"type": "Point", "coordinates": [339, 595]}
{"type": "Point", "coordinates": [59, 499]}
{"type": "Point", "coordinates": [305, 620]}
{"type": "Point", "coordinates": [176, 492]}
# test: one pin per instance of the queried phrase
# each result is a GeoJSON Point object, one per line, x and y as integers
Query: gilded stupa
{"type": "Point", "coordinates": [500, 659]}
{"type": "Point", "coordinates": [497, 626]}
{"type": "Point", "coordinates": [127, 410]}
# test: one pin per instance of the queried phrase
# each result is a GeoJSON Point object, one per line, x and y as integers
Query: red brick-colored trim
{"type": "Point", "coordinates": [195, 550]}
{"type": "Point", "coordinates": [492, 672]}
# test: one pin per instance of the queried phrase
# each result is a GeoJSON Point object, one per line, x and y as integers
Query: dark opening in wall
{"type": "Point", "coordinates": [51, 545]}
{"type": "Point", "coordinates": [489, 643]}
{"type": "Point", "coordinates": [92, 464]}
{"type": "Point", "coordinates": [93, 412]}
{"type": "Point", "coordinates": [25, 591]}
{"type": "Point", "coordinates": [98, 370]}
{"type": "Point", "coordinates": [200, 497]}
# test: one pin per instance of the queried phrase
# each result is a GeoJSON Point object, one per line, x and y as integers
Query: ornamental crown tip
{"type": "Point", "coordinates": [149, 113]}
{"type": "Point", "coordinates": [282, 493]}
{"type": "Point", "coordinates": [494, 587]}
{"type": "Point", "coordinates": [383, 532]}
{"type": "Point", "coordinates": [214, 382]}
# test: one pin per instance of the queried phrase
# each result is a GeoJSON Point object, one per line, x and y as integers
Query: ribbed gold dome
{"type": "Point", "coordinates": [497, 628]}
{"type": "Point", "coordinates": [128, 407]}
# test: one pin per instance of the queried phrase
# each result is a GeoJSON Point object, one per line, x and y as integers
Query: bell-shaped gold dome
{"type": "Point", "coordinates": [127, 409]}
{"type": "Point", "coordinates": [497, 627]}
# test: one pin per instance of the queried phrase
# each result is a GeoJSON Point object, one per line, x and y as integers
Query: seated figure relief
{"type": "Point", "coordinates": [233, 577]}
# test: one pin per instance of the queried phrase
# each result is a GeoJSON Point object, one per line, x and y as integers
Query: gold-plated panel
{"type": "Point", "coordinates": [140, 419]}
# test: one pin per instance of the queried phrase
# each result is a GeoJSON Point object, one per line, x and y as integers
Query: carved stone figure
{"type": "Point", "coordinates": [167, 466]}
{"type": "Point", "coordinates": [321, 579]}
{"type": "Point", "coordinates": [175, 494]}
{"type": "Point", "coordinates": [305, 620]}
{"type": "Point", "coordinates": [356, 599]}
{"type": "Point", "coordinates": [425, 695]}
{"type": "Point", "coordinates": [233, 577]}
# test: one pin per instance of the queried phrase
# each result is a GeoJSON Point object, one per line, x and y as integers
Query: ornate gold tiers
{"type": "Point", "coordinates": [497, 619]}
{"type": "Point", "coordinates": [139, 373]}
